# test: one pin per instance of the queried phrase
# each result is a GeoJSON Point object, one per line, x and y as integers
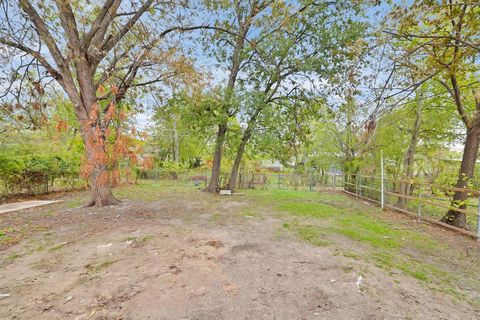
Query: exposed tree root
{"type": "Point", "coordinates": [111, 201]}
{"type": "Point", "coordinates": [456, 219]}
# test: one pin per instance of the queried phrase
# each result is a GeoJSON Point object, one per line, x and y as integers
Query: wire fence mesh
{"type": "Point", "coordinates": [428, 202]}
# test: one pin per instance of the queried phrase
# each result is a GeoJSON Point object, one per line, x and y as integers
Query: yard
{"type": "Point", "coordinates": [177, 253]}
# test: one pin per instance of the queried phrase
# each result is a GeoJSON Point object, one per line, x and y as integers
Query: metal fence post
{"type": "Point", "coordinates": [356, 185]}
{"type": "Point", "coordinates": [478, 220]}
{"type": "Point", "coordinates": [382, 181]}
{"type": "Point", "coordinates": [420, 204]}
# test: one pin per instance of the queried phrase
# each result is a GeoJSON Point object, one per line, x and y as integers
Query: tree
{"type": "Point", "coordinates": [182, 129]}
{"type": "Point", "coordinates": [286, 129]}
{"type": "Point", "coordinates": [235, 46]}
{"type": "Point", "coordinates": [445, 38]}
{"type": "Point", "coordinates": [409, 156]}
{"type": "Point", "coordinates": [269, 42]}
{"type": "Point", "coordinates": [94, 52]}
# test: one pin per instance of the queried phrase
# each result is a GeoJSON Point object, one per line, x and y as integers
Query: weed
{"type": "Point", "coordinates": [95, 268]}
{"type": "Point", "coordinates": [58, 246]}
{"type": "Point", "coordinates": [147, 237]}
{"type": "Point", "coordinates": [12, 257]}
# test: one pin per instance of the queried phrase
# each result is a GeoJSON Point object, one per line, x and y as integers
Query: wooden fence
{"type": "Point", "coordinates": [427, 202]}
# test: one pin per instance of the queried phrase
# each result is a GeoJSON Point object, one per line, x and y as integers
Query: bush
{"type": "Point", "coordinates": [34, 174]}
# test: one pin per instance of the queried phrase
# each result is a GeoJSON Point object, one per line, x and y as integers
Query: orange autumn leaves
{"type": "Point", "coordinates": [107, 145]}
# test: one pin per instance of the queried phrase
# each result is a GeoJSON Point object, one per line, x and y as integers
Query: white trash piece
{"type": "Point", "coordinates": [225, 192]}
{"type": "Point", "coordinates": [359, 282]}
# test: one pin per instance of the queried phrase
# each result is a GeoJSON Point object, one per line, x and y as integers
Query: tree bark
{"type": "Point", "coordinates": [214, 186]}
{"type": "Point", "coordinates": [467, 168]}
{"type": "Point", "coordinates": [243, 28]}
{"type": "Point", "coordinates": [238, 158]}
{"type": "Point", "coordinates": [409, 157]}
{"type": "Point", "coordinates": [96, 167]}
{"type": "Point", "coordinates": [470, 152]}
{"type": "Point", "coordinates": [101, 191]}
{"type": "Point", "coordinates": [241, 148]}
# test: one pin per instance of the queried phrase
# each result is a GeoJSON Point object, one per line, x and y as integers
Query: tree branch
{"type": "Point", "coordinates": [101, 22]}
{"type": "Point", "coordinates": [69, 24]}
{"type": "Point", "coordinates": [44, 34]}
{"type": "Point", "coordinates": [112, 41]}
{"type": "Point", "coordinates": [454, 92]}
{"type": "Point", "coordinates": [41, 59]}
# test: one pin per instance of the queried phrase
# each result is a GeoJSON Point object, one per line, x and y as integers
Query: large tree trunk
{"type": "Point", "coordinates": [467, 168]}
{"type": "Point", "coordinates": [350, 175]}
{"type": "Point", "coordinates": [238, 158]}
{"type": "Point", "coordinates": [237, 59]}
{"type": "Point", "coordinates": [213, 186]}
{"type": "Point", "coordinates": [101, 191]}
{"type": "Point", "coordinates": [75, 69]}
{"type": "Point", "coordinates": [96, 167]}
{"type": "Point", "coordinates": [241, 149]}
{"type": "Point", "coordinates": [409, 157]}
{"type": "Point", "coordinates": [232, 182]}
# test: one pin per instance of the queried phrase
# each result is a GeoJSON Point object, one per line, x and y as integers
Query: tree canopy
{"type": "Point", "coordinates": [221, 86]}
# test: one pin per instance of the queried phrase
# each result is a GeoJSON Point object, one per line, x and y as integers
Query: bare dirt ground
{"type": "Point", "coordinates": [192, 256]}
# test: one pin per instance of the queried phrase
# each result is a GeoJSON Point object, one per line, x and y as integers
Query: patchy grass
{"type": "Point", "coordinates": [12, 257]}
{"type": "Point", "coordinates": [217, 218]}
{"type": "Point", "coordinates": [309, 233]}
{"type": "Point", "coordinates": [318, 218]}
{"type": "Point", "coordinates": [150, 190]}
{"type": "Point", "coordinates": [364, 228]}
{"type": "Point", "coordinates": [6, 235]}
{"type": "Point", "coordinates": [147, 191]}
{"type": "Point", "coordinates": [250, 214]}
{"type": "Point", "coordinates": [353, 228]}
{"type": "Point", "coordinates": [75, 202]}
{"type": "Point", "coordinates": [10, 235]}
{"type": "Point", "coordinates": [348, 254]}
{"type": "Point", "coordinates": [49, 213]}
{"type": "Point", "coordinates": [282, 196]}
